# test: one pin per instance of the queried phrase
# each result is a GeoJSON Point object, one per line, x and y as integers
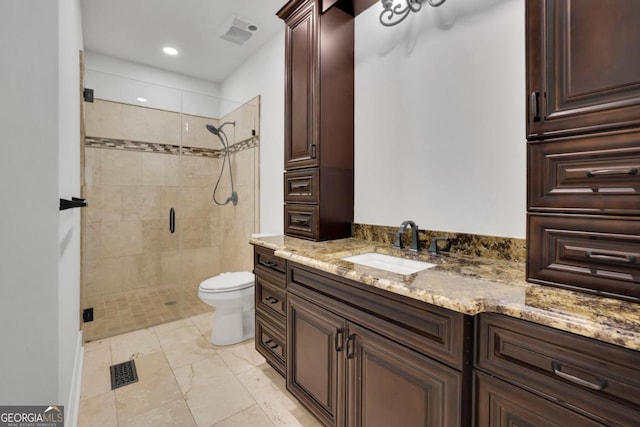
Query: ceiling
{"type": "Point", "coordinates": [137, 30]}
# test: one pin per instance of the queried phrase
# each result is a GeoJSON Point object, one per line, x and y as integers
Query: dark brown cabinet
{"type": "Point", "coordinates": [270, 303]}
{"type": "Point", "coordinates": [351, 365]}
{"type": "Point", "coordinates": [316, 361]}
{"type": "Point", "coordinates": [583, 73]}
{"type": "Point", "coordinates": [540, 376]}
{"type": "Point", "coordinates": [392, 385]}
{"type": "Point", "coordinates": [319, 100]}
{"type": "Point", "coordinates": [583, 161]}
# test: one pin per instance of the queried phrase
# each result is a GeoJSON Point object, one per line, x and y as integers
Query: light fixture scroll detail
{"type": "Point", "coordinates": [394, 14]}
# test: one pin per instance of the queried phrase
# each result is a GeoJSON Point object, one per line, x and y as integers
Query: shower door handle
{"type": "Point", "coordinates": [172, 220]}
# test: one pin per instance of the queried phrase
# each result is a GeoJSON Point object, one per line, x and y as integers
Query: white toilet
{"type": "Point", "coordinates": [232, 296]}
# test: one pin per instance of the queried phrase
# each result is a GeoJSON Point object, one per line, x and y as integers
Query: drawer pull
{"type": "Point", "coordinates": [269, 342]}
{"type": "Point", "coordinates": [300, 221]}
{"type": "Point", "coordinates": [614, 171]}
{"type": "Point", "coordinates": [628, 258]}
{"type": "Point", "coordinates": [557, 369]}
{"type": "Point", "coordinates": [299, 187]}
{"type": "Point", "coordinates": [272, 300]}
{"type": "Point", "coordinates": [268, 264]}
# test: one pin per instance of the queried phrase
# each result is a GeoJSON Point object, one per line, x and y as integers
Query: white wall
{"type": "Point", "coordinates": [29, 289]}
{"type": "Point", "coordinates": [440, 120]}
{"type": "Point", "coordinates": [69, 335]}
{"type": "Point", "coordinates": [263, 74]}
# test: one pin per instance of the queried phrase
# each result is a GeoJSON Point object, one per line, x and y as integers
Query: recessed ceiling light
{"type": "Point", "coordinates": [170, 50]}
{"type": "Point", "coordinates": [141, 99]}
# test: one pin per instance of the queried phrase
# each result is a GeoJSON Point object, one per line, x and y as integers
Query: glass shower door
{"type": "Point", "coordinates": [131, 262]}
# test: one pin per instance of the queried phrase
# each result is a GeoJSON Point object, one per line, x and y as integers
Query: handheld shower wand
{"type": "Point", "coordinates": [217, 131]}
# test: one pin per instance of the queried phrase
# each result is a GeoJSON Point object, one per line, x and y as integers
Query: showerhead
{"type": "Point", "coordinates": [216, 130]}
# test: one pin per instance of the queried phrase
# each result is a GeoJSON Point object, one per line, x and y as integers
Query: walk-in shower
{"type": "Point", "coordinates": [149, 170]}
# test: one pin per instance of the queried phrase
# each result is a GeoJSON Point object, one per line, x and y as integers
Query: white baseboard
{"type": "Point", "coordinates": [73, 404]}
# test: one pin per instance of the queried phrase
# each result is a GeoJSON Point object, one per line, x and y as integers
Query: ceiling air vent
{"type": "Point", "coordinates": [236, 30]}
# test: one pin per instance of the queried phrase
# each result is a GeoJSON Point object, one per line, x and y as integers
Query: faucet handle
{"type": "Point", "coordinates": [433, 247]}
{"type": "Point", "coordinates": [397, 243]}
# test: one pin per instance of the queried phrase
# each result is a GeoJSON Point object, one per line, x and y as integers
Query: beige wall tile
{"type": "Point", "coordinates": [195, 133]}
{"type": "Point", "coordinates": [119, 238]}
{"type": "Point", "coordinates": [196, 234]}
{"type": "Point", "coordinates": [151, 125]}
{"type": "Point", "coordinates": [92, 168]}
{"type": "Point", "coordinates": [91, 238]}
{"type": "Point", "coordinates": [197, 204]}
{"type": "Point", "coordinates": [156, 236]}
{"type": "Point", "coordinates": [141, 271]}
{"type": "Point", "coordinates": [105, 203]}
{"type": "Point", "coordinates": [103, 119]}
{"type": "Point", "coordinates": [103, 276]}
{"type": "Point", "coordinates": [170, 269]}
{"type": "Point", "coordinates": [160, 169]}
{"type": "Point", "coordinates": [142, 203]}
{"type": "Point", "coordinates": [120, 167]}
{"type": "Point", "coordinates": [198, 171]}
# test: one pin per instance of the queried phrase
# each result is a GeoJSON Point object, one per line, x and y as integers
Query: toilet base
{"type": "Point", "coordinates": [232, 326]}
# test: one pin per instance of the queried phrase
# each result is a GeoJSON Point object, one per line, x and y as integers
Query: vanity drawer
{"type": "Point", "coordinates": [598, 378]}
{"type": "Point", "coordinates": [270, 298]}
{"type": "Point", "coordinates": [594, 174]}
{"type": "Point", "coordinates": [301, 186]}
{"type": "Point", "coordinates": [270, 342]}
{"type": "Point", "coordinates": [301, 221]}
{"type": "Point", "coordinates": [590, 253]}
{"type": "Point", "coordinates": [265, 261]}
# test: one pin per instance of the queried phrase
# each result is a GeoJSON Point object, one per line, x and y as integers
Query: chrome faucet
{"type": "Point", "coordinates": [415, 242]}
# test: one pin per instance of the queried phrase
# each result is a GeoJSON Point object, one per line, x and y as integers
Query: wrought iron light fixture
{"type": "Point", "coordinates": [392, 15]}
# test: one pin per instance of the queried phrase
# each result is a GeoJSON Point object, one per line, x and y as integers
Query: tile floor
{"type": "Point", "coordinates": [184, 381]}
{"type": "Point", "coordinates": [121, 312]}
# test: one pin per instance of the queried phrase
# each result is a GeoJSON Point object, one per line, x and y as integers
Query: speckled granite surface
{"type": "Point", "coordinates": [473, 285]}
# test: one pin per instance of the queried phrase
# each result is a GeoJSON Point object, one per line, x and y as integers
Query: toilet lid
{"type": "Point", "coordinates": [227, 282]}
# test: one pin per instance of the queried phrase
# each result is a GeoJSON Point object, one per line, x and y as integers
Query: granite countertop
{"type": "Point", "coordinates": [471, 286]}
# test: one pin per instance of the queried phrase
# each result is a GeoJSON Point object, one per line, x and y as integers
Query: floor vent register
{"type": "Point", "coordinates": [123, 374]}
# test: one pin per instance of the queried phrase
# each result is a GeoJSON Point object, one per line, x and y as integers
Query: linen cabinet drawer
{"type": "Point", "coordinates": [301, 221]}
{"type": "Point", "coordinates": [270, 342]}
{"type": "Point", "coordinates": [301, 186]}
{"type": "Point", "coordinates": [265, 261]}
{"type": "Point", "coordinates": [270, 298]}
{"type": "Point", "coordinates": [593, 174]}
{"type": "Point", "coordinates": [590, 253]}
{"type": "Point", "coordinates": [599, 379]}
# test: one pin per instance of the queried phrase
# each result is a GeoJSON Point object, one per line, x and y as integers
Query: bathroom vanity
{"type": "Point", "coordinates": [468, 342]}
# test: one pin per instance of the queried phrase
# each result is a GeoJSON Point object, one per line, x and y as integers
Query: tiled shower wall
{"type": "Point", "coordinates": [135, 272]}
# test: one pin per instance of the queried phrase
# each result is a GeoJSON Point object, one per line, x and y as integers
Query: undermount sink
{"type": "Point", "coordinates": [390, 263]}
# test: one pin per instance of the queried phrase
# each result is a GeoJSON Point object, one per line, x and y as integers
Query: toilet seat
{"type": "Point", "coordinates": [227, 282]}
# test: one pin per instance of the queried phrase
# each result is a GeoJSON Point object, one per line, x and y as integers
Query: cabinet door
{"type": "Point", "coordinates": [391, 385]}
{"type": "Point", "coordinates": [499, 404]}
{"type": "Point", "coordinates": [301, 88]}
{"type": "Point", "coordinates": [315, 359]}
{"type": "Point", "coordinates": [583, 70]}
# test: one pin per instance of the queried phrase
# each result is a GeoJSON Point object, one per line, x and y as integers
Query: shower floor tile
{"type": "Point", "coordinates": [180, 394]}
{"type": "Point", "coordinates": [118, 313]}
